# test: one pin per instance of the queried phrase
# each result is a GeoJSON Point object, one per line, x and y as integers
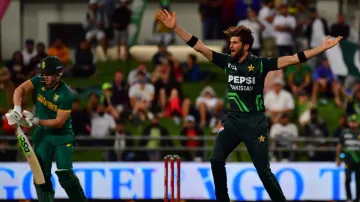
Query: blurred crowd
{"type": "Point", "coordinates": [153, 92]}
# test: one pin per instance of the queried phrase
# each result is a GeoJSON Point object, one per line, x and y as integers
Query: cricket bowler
{"type": "Point", "coordinates": [349, 143]}
{"type": "Point", "coordinates": [53, 135]}
{"type": "Point", "coordinates": [246, 120]}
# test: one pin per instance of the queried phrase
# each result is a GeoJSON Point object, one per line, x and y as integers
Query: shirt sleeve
{"type": "Point", "coordinates": [220, 59]}
{"type": "Point", "coordinates": [66, 102]}
{"type": "Point", "coordinates": [269, 64]}
{"type": "Point", "coordinates": [35, 81]}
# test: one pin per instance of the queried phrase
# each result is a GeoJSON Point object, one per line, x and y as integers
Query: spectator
{"type": "Point", "coordinates": [94, 25]}
{"type": "Point", "coordinates": [132, 77]}
{"type": "Point", "coordinates": [278, 101]}
{"type": "Point", "coordinates": [353, 105]}
{"type": "Point", "coordinates": [191, 130]}
{"type": "Point", "coordinates": [191, 69]}
{"type": "Point", "coordinates": [302, 21]}
{"type": "Point", "coordinates": [341, 28]}
{"type": "Point", "coordinates": [121, 20]}
{"type": "Point", "coordinates": [209, 106]}
{"type": "Point", "coordinates": [29, 52]}
{"type": "Point", "coordinates": [256, 27]}
{"type": "Point", "coordinates": [177, 70]}
{"type": "Point", "coordinates": [159, 138]}
{"type": "Point", "coordinates": [266, 16]}
{"type": "Point", "coordinates": [242, 7]}
{"type": "Point", "coordinates": [210, 13]}
{"type": "Point", "coordinates": [284, 29]}
{"type": "Point", "coordinates": [102, 123]}
{"type": "Point", "coordinates": [17, 69]}
{"type": "Point", "coordinates": [341, 127]}
{"type": "Point", "coordinates": [161, 71]}
{"type": "Point", "coordinates": [299, 79]}
{"type": "Point", "coordinates": [107, 7]}
{"type": "Point", "coordinates": [164, 85]}
{"type": "Point", "coordinates": [175, 107]}
{"type": "Point", "coordinates": [120, 95]}
{"type": "Point", "coordinates": [80, 119]}
{"type": "Point", "coordinates": [121, 144]}
{"type": "Point", "coordinates": [161, 56]}
{"type": "Point", "coordinates": [59, 50]}
{"type": "Point", "coordinates": [106, 99]}
{"type": "Point", "coordinates": [163, 34]}
{"type": "Point", "coordinates": [84, 66]}
{"type": "Point", "coordinates": [317, 128]}
{"type": "Point", "coordinates": [325, 81]}
{"type": "Point", "coordinates": [282, 135]}
{"type": "Point", "coordinates": [271, 77]}
{"type": "Point", "coordinates": [141, 96]}
{"type": "Point", "coordinates": [41, 54]}
{"type": "Point", "coordinates": [315, 32]}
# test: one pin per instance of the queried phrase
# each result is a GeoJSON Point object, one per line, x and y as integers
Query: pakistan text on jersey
{"type": "Point", "coordinates": [241, 88]}
{"type": "Point", "coordinates": [46, 103]}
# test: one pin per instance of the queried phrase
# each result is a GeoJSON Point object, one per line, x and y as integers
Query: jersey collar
{"type": "Point", "coordinates": [57, 85]}
{"type": "Point", "coordinates": [249, 57]}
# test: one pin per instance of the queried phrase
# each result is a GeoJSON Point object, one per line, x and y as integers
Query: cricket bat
{"type": "Point", "coordinates": [30, 156]}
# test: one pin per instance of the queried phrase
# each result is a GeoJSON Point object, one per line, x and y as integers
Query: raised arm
{"type": "Point", "coordinates": [170, 22]}
{"type": "Point", "coordinates": [286, 61]}
{"type": "Point", "coordinates": [20, 91]}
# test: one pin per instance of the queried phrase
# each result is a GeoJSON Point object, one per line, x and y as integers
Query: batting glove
{"type": "Point", "coordinates": [30, 119]}
{"type": "Point", "coordinates": [14, 116]}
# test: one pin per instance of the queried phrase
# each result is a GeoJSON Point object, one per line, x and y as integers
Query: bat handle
{"type": "Point", "coordinates": [18, 129]}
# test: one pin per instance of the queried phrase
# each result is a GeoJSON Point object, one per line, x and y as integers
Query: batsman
{"type": "Point", "coordinates": [53, 135]}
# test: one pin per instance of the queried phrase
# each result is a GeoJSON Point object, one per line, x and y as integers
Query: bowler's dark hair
{"type": "Point", "coordinates": [245, 34]}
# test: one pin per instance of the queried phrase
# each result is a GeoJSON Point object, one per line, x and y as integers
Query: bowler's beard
{"type": "Point", "coordinates": [239, 54]}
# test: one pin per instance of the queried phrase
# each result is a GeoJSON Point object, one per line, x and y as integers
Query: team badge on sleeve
{"type": "Point", "coordinates": [56, 97]}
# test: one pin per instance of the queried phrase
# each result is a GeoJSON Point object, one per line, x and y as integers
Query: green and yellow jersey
{"type": "Point", "coordinates": [51, 100]}
{"type": "Point", "coordinates": [350, 142]}
{"type": "Point", "coordinates": [245, 80]}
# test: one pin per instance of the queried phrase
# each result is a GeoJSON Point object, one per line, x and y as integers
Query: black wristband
{"type": "Point", "coordinates": [301, 56]}
{"type": "Point", "coordinates": [192, 42]}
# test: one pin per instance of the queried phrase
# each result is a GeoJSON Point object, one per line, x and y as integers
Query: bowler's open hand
{"type": "Point", "coordinates": [168, 19]}
{"type": "Point", "coordinates": [329, 43]}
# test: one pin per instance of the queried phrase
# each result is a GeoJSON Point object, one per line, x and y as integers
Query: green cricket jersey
{"type": "Point", "coordinates": [245, 80]}
{"type": "Point", "coordinates": [51, 100]}
{"type": "Point", "coordinates": [351, 145]}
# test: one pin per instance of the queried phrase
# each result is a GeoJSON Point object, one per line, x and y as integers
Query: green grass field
{"type": "Point", "coordinates": [329, 112]}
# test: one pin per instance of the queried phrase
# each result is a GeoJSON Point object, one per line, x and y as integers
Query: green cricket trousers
{"type": "Point", "coordinates": [252, 129]}
{"type": "Point", "coordinates": [352, 167]}
{"type": "Point", "coordinates": [50, 147]}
